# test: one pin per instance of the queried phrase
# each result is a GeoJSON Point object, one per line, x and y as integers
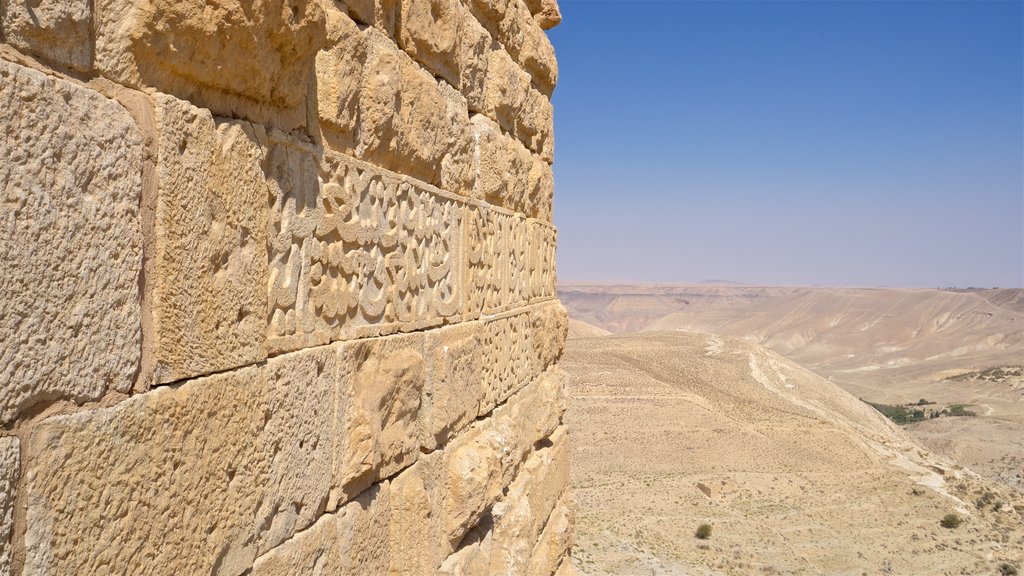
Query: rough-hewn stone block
{"type": "Point", "coordinates": [364, 252]}
{"type": "Point", "coordinates": [226, 55]}
{"type": "Point", "coordinates": [511, 23]}
{"type": "Point", "coordinates": [520, 516]}
{"type": "Point", "coordinates": [71, 242]}
{"type": "Point", "coordinates": [9, 469]}
{"type": "Point", "coordinates": [210, 296]}
{"type": "Point", "coordinates": [556, 540]}
{"type": "Point", "coordinates": [378, 105]}
{"type": "Point", "coordinates": [541, 190]}
{"type": "Point", "coordinates": [451, 397]}
{"type": "Point", "coordinates": [216, 471]}
{"type": "Point", "coordinates": [501, 167]}
{"type": "Point", "coordinates": [55, 30]}
{"type": "Point", "coordinates": [545, 13]}
{"type": "Point", "coordinates": [378, 409]}
{"type": "Point", "coordinates": [444, 37]}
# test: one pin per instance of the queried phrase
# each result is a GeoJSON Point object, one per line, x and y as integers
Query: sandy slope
{"type": "Point", "coordinates": [885, 345]}
{"type": "Point", "coordinates": [796, 476]}
{"type": "Point", "coordinates": [581, 329]}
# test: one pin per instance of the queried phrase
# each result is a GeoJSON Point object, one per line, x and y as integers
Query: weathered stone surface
{"type": "Point", "coordinates": [529, 416]}
{"type": "Point", "coordinates": [534, 125]}
{"type": "Point", "coordinates": [451, 396]}
{"type": "Point", "coordinates": [542, 240]}
{"type": "Point", "coordinates": [210, 296]}
{"type": "Point", "coordinates": [556, 540]}
{"type": "Point", "coordinates": [378, 105]}
{"type": "Point", "coordinates": [445, 38]}
{"type": "Point", "coordinates": [541, 190]}
{"type": "Point", "coordinates": [518, 347]}
{"type": "Point", "coordinates": [380, 14]}
{"type": "Point", "coordinates": [210, 470]}
{"type": "Point", "coordinates": [364, 252]}
{"type": "Point", "coordinates": [512, 24]}
{"type": "Point", "coordinates": [520, 516]}
{"type": "Point", "coordinates": [545, 13]}
{"type": "Point", "coordinates": [415, 544]}
{"type": "Point", "coordinates": [355, 541]}
{"type": "Point", "coordinates": [472, 480]}
{"type": "Point", "coordinates": [227, 56]}
{"type": "Point", "coordinates": [55, 30]}
{"type": "Point", "coordinates": [70, 242]}
{"type": "Point", "coordinates": [508, 359]}
{"type": "Point", "coordinates": [501, 167]}
{"type": "Point", "coordinates": [9, 470]}
{"type": "Point", "coordinates": [378, 409]}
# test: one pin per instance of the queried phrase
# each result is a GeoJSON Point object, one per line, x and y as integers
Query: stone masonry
{"type": "Point", "coordinates": [279, 289]}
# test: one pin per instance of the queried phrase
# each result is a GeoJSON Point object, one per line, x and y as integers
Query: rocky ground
{"type": "Point", "coordinates": [794, 475]}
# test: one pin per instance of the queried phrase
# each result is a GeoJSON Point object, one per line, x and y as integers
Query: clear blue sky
{"type": "Point", "coordinates": [841, 143]}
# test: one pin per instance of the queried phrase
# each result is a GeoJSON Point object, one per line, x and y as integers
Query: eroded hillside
{"type": "Point", "coordinates": [794, 475]}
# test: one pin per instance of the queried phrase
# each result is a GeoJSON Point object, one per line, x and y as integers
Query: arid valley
{"type": "Point", "coordinates": [747, 409]}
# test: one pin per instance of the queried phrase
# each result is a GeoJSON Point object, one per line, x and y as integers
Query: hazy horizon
{"type": "Point", "coordinates": [784, 143]}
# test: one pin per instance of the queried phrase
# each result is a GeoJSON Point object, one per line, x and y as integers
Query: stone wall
{"type": "Point", "coordinates": [279, 289]}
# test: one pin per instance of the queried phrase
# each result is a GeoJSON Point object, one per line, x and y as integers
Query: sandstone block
{"type": "Point", "coordinates": [71, 243]}
{"type": "Point", "coordinates": [55, 30]}
{"type": "Point", "coordinates": [541, 261]}
{"type": "Point", "coordinates": [497, 266]}
{"type": "Point", "coordinates": [541, 191]}
{"type": "Point", "coordinates": [378, 105]}
{"type": "Point", "coordinates": [223, 55]}
{"type": "Point", "coordinates": [472, 559]}
{"type": "Point", "coordinates": [520, 516]}
{"type": "Point", "coordinates": [529, 416]}
{"type": "Point", "coordinates": [501, 167]}
{"type": "Point", "coordinates": [363, 534]}
{"type": "Point", "coordinates": [209, 470]}
{"type": "Point", "coordinates": [210, 296]}
{"type": "Point", "coordinates": [511, 23]}
{"type": "Point", "coordinates": [451, 396]}
{"type": "Point", "coordinates": [415, 544]}
{"type": "Point", "coordinates": [556, 540]}
{"type": "Point", "coordinates": [550, 328]}
{"type": "Point", "coordinates": [506, 88]}
{"type": "Point", "coordinates": [312, 551]}
{"type": "Point", "coordinates": [508, 358]}
{"type": "Point", "coordinates": [566, 568]}
{"type": "Point", "coordinates": [472, 480]}
{"type": "Point", "coordinates": [545, 13]}
{"type": "Point", "coordinates": [364, 252]}
{"type": "Point", "coordinates": [378, 409]}
{"type": "Point", "coordinates": [534, 126]}
{"type": "Point", "coordinates": [444, 37]}
{"type": "Point", "coordinates": [355, 541]}
{"type": "Point", "coordinates": [9, 470]}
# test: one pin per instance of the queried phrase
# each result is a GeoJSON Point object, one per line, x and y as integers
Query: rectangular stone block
{"type": "Point", "coordinates": [543, 239]}
{"type": "Point", "coordinates": [508, 358]}
{"type": "Point", "coordinates": [549, 329]}
{"type": "Point", "coordinates": [180, 48]}
{"type": "Point", "coordinates": [57, 31]}
{"type": "Point", "coordinates": [497, 274]}
{"type": "Point", "coordinates": [378, 105]}
{"type": "Point", "coordinates": [512, 24]}
{"type": "Point", "coordinates": [541, 191]}
{"type": "Point", "coordinates": [10, 468]}
{"type": "Point", "coordinates": [556, 541]}
{"type": "Point", "coordinates": [70, 245]}
{"type": "Point", "coordinates": [501, 167]}
{"type": "Point", "coordinates": [354, 541]}
{"type": "Point", "coordinates": [210, 256]}
{"type": "Point", "coordinates": [445, 38]}
{"type": "Point", "coordinates": [362, 253]}
{"type": "Point", "coordinates": [197, 479]}
{"type": "Point", "coordinates": [528, 416]}
{"type": "Point", "coordinates": [520, 516]}
{"type": "Point", "coordinates": [451, 396]}
{"type": "Point", "coordinates": [380, 387]}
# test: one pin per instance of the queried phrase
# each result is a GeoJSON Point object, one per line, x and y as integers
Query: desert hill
{"type": "Point", "coordinates": [671, 430]}
{"type": "Point", "coordinates": [890, 346]}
